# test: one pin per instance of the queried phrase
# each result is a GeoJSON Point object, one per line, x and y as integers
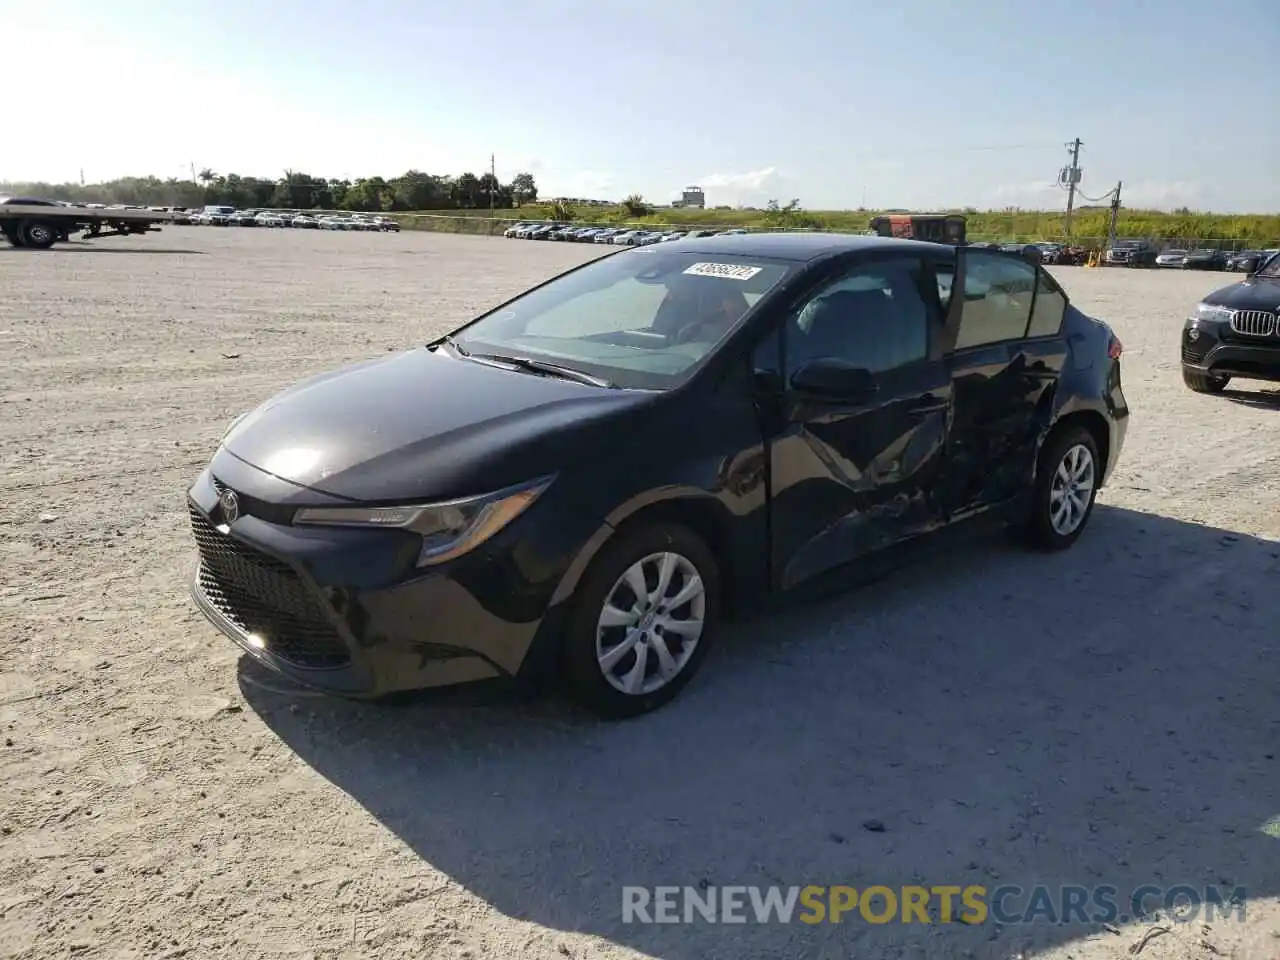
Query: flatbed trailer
{"type": "Point", "coordinates": [42, 223]}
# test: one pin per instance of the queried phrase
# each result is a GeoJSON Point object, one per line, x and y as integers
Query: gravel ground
{"type": "Point", "coordinates": [1106, 716]}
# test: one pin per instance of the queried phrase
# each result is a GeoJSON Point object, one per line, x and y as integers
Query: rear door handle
{"type": "Point", "coordinates": [928, 404]}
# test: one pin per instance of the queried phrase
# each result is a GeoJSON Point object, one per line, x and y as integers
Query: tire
{"type": "Point", "coordinates": [1069, 458]}
{"type": "Point", "coordinates": [585, 641]}
{"type": "Point", "coordinates": [1204, 382]}
{"type": "Point", "coordinates": [38, 234]}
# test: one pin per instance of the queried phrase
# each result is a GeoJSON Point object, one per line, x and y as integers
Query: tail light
{"type": "Point", "coordinates": [1115, 348]}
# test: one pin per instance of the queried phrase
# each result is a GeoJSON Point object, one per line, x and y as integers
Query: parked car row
{"type": "Point", "coordinates": [223, 216]}
{"type": "Point", "coordinates": [621, 236]}
{"type": "Point", "coordinates": [1143, 253]}
{"type": "Point", "coordinates": [1039, 252]}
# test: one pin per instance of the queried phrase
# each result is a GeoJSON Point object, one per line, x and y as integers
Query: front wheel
{"type": "Point", "coordinates": [1066, 487]}
{"type": "Point", "coordinates": [642, 621]}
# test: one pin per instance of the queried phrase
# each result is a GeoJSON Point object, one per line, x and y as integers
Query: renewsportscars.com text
{"type": "Point", "coordinates": [975, 905]}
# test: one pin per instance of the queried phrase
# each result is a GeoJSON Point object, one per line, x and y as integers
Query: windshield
{"type": "Point", "coordinates": [1270, 269]}
{"type": "Point", "coordinates": [641, 319]}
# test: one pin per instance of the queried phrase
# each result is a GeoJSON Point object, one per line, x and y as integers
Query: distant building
{"type": "Point", "coordinates": [692, 197]}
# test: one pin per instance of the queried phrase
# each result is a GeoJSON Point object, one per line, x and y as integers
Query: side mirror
{"type": "Point", "coordinates": [829, 378]}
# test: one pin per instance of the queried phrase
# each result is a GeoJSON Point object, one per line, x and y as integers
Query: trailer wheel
{"type": "Point", "coordinates": [39, 234]}
{"type": "Point", "coordinates": [12, 233]}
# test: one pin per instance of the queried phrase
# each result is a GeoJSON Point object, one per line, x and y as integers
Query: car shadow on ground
{"type": "Point", "coordinates": [1268, 399]}
{"type": "Point", "coordinates": [1104, 716]}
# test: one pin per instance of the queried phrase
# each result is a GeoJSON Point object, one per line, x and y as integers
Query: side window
{"type": "Point", "coordinates": [877, 317]}
{"type": "Point", "coordinates": [1051, 304]}
{"type": "Point", "coordinates": [998, 290]}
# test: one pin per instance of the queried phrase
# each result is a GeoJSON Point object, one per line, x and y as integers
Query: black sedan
{"type": "Point", "coordinates": [1235, 332]}
{"type": "Point", "coordinates": [580, 483]}
{"type": "Point", "coordinates": [1245, 261]}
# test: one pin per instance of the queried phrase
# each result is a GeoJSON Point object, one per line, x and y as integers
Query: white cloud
{"type": "Point", "coordinates": [583, 184]}
{"type": "Point", "coordinates": [1036, 194]}
{"type": "Point", "coordinates": [1166, 195]}
{"type": "Point", "coordinates": [752, 188]}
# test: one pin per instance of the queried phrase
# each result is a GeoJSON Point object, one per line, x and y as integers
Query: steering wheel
{"type": "Point", "coordinates": [688, 333]}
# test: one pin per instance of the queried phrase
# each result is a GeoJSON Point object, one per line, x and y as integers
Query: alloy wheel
{"type": "Point", "coordinates": [650, 624]}
{"type": "Point", "coordinates": [1071, 490]}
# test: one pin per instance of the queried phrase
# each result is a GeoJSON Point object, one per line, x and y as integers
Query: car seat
{"type": "Point", "coordinates": [690, 304]}
{"type": "Point", "coordinates": [848, 324]}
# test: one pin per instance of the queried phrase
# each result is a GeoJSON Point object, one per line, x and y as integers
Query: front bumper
{"type": "Point", "coordinates": [346, 611]}
{"type": "Point", "coordinates": [1211, 347]}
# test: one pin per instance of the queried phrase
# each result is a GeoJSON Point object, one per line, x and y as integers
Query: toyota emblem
{"type": "Point", "coordinates": [230, 505]}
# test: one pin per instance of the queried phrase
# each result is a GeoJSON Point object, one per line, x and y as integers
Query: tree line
{"type": "Point", "coordinates": [413, 190]}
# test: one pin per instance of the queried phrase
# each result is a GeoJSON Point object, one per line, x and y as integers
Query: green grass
{"type": "Point", "coordinates": [1089, 226]}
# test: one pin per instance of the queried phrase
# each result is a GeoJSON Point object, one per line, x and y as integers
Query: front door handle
{"type": "Point", "coordinates": [928, 404]}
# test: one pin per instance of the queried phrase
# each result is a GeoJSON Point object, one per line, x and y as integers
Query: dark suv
{"type": "Point", "coordinates": [1130, 253]}
{"type": "Point", "coordinates": [1235, 332]}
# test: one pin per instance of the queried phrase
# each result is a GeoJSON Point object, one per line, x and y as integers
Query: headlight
{"type": "Point", "coordinates": [447, 529]}
{"type": "Point", "coordinates": [1209, 311]}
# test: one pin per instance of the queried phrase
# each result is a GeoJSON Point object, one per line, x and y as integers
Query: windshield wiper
{"type": "Point", "coordinates": [542, 366]}
{"type": "Point", "coordinates": [448, 340]}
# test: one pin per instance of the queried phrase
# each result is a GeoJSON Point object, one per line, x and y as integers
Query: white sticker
{"type": "Point", "coordinates": [730, 271]}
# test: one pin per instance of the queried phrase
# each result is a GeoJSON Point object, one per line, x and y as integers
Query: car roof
{"type": "Point", "coordinates": [802, 247]}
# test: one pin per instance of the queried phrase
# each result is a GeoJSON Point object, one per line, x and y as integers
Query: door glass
{"type": "Point", "coordinates": [876, 317]}
{"type": "Point", "coordinates": [1051, 304]}
{"type": "Point", "coordinates": [998, 290]}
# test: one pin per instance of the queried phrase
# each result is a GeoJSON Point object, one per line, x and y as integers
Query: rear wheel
{"type": "Point", "coordinates": [642, 621]}
{"type": "Point", "coordinates": [1204, 382]}
{"type": "Point", "coordinates": [1066, 486]}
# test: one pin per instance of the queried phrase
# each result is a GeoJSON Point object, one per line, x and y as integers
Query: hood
{"type": "Point", "coordinates": [423, 425]}
{"type": "Point", "coordinates": [1256, 294]}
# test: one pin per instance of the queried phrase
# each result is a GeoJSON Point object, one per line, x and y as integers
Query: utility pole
{"type": "Point", "coordinates": [1115, 214]}
{"type": "Point", "coordinates": [493, 181]}
{"type": "Point", "coordinates": [1071, 176]}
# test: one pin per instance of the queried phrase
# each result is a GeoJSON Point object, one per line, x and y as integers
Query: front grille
{"type": "Point", "coordinates": [265, 597]}
{"type": "Point", "coordinates": [1254, 323]}
{"type": "Point", "coordinates": [254, 507]}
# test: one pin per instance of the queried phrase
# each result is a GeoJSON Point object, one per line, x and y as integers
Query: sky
{"type": "Point", "coordinates": [836, 103]}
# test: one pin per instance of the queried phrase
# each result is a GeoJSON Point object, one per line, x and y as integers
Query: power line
{"type": "Point", "coordinates": [1106, 196]}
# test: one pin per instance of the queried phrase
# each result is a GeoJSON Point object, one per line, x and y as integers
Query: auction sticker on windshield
{"type": "Point", "coordinates": [730, 271]}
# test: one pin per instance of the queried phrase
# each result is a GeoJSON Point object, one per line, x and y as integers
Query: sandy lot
{"type": "Point", "coordinates": [1105, 717]}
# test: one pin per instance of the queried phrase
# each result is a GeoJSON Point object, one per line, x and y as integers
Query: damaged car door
{"type": "Point", "coordinates": [864, 416]}
{"type": "Point", "coordinates": [1005, 359]}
